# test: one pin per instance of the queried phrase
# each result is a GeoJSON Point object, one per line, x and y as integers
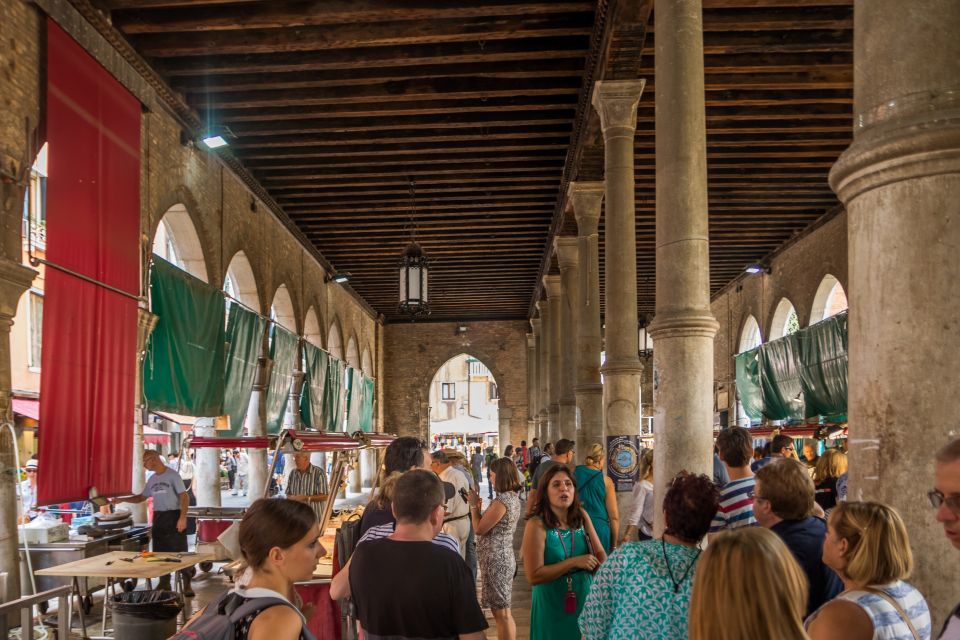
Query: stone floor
{"type": "Point", "coordinates": [209, 586]}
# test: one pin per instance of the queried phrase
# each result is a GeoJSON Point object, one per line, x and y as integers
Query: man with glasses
{"type": "Point", "coordinates": [945, 497]}
{"type": "Point", "coordinates": [780, 447]}
{"type": "Point", "coordinates": [28, 492]}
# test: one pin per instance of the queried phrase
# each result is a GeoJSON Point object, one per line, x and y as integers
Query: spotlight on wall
{"type": "Point", "coordinates": [217, 137]}
{"type": "Point", "coordinates": [756, 268]}
{"type": "Point", "coordinates": [340, 277]}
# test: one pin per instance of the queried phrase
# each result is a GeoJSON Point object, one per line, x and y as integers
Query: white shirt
{"type": "Point", "coordinates": [455, 506]}
{"type": "Point", "coordinates": [641, 511]}
{"type": "Point", "coordinates": [186, 469]}
{"type": "Point", "coordinates": [243, 464]}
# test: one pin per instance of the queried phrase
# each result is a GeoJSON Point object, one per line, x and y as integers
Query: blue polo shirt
{"type": "Point", "coordinates": [804, 538]}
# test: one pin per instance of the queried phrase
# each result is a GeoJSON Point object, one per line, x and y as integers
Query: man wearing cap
{"type": "Point", "coordinates": [28, 492]}
{"type": "Point", "coordinates": [457, 519]}
{"type": "Point", "coordinates": [170, 502]}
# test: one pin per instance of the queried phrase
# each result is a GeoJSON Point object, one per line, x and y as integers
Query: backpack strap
{"type": "Point", "coordinates": [239, 607]}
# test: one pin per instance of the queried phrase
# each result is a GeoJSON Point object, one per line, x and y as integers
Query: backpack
{"type": "Point", "coordinates": [219, 619]}
{"type": "Point", "coordinates": [348, 535]}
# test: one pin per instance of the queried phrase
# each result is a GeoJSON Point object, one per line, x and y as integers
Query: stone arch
{"type": "Point", "coordinates": [750, 335]}
{"type": "Point", "coordinates": [829, 300]}
{"type": "Point", "coordinates": [785, 319]}
{"type": "Point", "coordinates": [335, 340]}
{"type": "Point", "coordinates": [366, 362]}
{"type": "Point", "coordinates": [240, 281]}
{"type": "Point", "coordinates": [282, 311]}
{"type": "Point", "coordinates": [176, 240]}
{"type": "Point", "coordinates": [468, 404]}
{"type": "Point", "coordinates": [352, 353]}
{"type": "Point", "coordinates": [312, 332]}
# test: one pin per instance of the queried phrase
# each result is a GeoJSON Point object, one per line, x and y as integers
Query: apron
{"type": "Point", "coordinates": [165, 534]}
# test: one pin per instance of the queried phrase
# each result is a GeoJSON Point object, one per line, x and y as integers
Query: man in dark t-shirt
{"type": "Point", "coordinates": [405, 586]}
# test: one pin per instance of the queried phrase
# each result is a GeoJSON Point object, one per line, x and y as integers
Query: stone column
{"type": "Point", "coordinates": [543, 371]}
{"type": "Point", "coordinates": [567, 255]}
{"type": "Point", "coordinates": [551, 284]}
{"type": "Point", "coordinates": [505, 414]}
{"type": "Point", "coordinates": [531, 386]}
{"type": "Point", "coordinates": [683, 327]}
{"type": "Point", "coordinates": [586, 199]}
{"type": "Point", "coordinates": [900, 183]}
{"type": "Point", "coordinates": [15, 279]}
{"type": "Point", "coordinates": [146, 322]}
{"type": "Point", "coordinates": [256, 426]}
{"type": "Point", "coordinates": [206, 478]}
{"type": "Point", "coordinates": [616, 102]}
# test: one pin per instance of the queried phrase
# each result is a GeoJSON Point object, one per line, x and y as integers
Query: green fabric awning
{"type": "Point", "coordinates": [333, 395]}
{"type": "Point", "coordinates": [314, 385]}
{"type": "Point", "coordinates": [283, 352]}
{"type": "Point", "coordinates": [366, 409]}
{"type": "Point", "coordinates": [748, 383]}
{"type": "Point", "coordinates": [245, 339]}
{"type": "Point", "coordinates": [183, 371]}
{"type": "Point", "coordinates": [823, 372]}
{"type": "Point", "coordinates": [780, 380]}
{"type": "Point", "coordinates": [353, 398]}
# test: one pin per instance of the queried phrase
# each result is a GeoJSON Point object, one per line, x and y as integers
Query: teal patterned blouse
{"type": "Point", "coordinates": [633, 597]}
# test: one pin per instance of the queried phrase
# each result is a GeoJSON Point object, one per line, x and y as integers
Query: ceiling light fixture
{"type": "Point", "coordinates": [414, 271]}
{"type": "Point", "coordinates": [340, 277]}
{"type": "Point", "coordinates": [756, 268]}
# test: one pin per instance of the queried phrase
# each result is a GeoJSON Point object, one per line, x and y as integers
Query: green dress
{"type": "Point", "coordinates": [593, 495]}
{"type": "Point", "coordinates": [548, 620]}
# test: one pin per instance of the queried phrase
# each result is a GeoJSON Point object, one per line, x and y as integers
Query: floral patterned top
{"type": "Point", "coordinates": [634, 597]}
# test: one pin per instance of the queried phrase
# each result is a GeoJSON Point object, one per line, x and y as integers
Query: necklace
{"type": "Point", "coordinates": [677, 583]}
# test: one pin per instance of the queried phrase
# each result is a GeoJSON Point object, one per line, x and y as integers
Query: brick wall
{"type": "Point", "coordinates": [414, 352]}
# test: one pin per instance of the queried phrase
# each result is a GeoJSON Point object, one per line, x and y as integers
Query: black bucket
{"type": "Point", "coordinates": [145, 615]}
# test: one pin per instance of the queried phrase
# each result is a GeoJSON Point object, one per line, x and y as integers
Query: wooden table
{"type": "Point", "coordinates": [118, 565]}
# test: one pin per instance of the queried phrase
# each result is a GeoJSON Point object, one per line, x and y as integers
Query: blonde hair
{"type": "Point", "coordinates": [385, 496]}
{"type": "Point", "coordinates": [832, 464]}
{"type": "Point", "coordinates": [748, 585]}
{"type": "Point", "coordinates": [878, 550]}
{"type": "Point", "coordinates": [594, 454]}
{"type": "Point", "coordinates": [646, 464]}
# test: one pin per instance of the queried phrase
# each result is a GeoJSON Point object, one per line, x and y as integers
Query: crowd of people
{"type": "Point", "coordinates": [789, 557]}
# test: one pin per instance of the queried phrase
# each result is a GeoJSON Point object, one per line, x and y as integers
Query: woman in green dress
{"type": "Point", "coordinates": [598, 496]}
{"type": "Point", "coordinates": [561, 551]}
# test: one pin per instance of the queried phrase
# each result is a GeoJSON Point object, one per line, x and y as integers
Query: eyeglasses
{"type": "Point", "coordinates": [31, 470]}
{"type": "Point", "coordinates": [952, 501]}
{"type": "Point", "coordinates": [753, 495]}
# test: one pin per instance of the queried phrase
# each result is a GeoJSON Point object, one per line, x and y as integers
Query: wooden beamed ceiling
{"type": "Point", "coordinates": [337, 105]}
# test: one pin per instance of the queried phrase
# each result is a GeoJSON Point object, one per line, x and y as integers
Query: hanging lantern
{"type": "Point", "coordinates": [414, 271]}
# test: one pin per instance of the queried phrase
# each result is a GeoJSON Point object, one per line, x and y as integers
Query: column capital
{"type": "Point", "coordinates": [568, 251]}
{"type": "Point", "coordinates": [551, 284]}
{"type": "Point", "coordinates": [543, 307]}
{"type": "Point", "coordinates": [505, 413]}
{"type": "Point", "coordinates": [586, 199]}
{"type": "Point", "coordinates": [535, 324]}
{"type": "Point", "coordinates": [616, 103]}
{"type": "Point", "coordinates": [531, 340]}
{"type": "Point", "coordinates": [15, 278]}
{"type": "Point", "coordinates": [683, 325]}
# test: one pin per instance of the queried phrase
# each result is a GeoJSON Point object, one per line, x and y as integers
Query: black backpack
{"type": "Point", "coordinates": [220, 618]}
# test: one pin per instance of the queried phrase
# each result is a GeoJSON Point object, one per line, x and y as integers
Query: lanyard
{"type": "Point", "coordinates": [573, 542]}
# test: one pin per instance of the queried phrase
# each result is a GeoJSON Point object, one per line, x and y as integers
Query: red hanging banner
{"type": "Point", "coordinates": [93, 225]}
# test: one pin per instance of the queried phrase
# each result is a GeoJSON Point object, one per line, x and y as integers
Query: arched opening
{"type": "Point", "coordinates": [353, 353]}
{"type": "Point", "coordinates": [177, 242]}
{"type": "Point", "coordinates": [334, 341]}
{"type": "Point", "coordinates": [750, 336]}
{"type": "Point", "coordinates": [311, 328]}
{"type": "Point", "coordinates": [464, 406]}
{"type": "Point", "coordinates": [240, 283]}
{"type": "Point", "coordinates": [830, 299]}
{"type": "Point", "coordinates": [366, 362]}
{"type": "Point", "coordinates": [281, 310]}
{"type": "Point", "coordinates": [785, 320]}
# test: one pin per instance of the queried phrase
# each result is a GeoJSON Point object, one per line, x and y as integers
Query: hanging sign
{"type": "Point", "coordinates": [623, 461]}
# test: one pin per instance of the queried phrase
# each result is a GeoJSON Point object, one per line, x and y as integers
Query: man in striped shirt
{"type": "Point", "coordinates": [308, 483]}
{"type": "Point", "coordinates": [736, 506]}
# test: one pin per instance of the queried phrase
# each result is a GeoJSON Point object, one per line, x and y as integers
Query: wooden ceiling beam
{"type": "Point", "coordinates": [353, 35]}
{"type": "Point", "coordinates": [475, 168]}
{"type": "Point", "coordinates": [782, 19]}
{"type": "Point", "coordinates": [799, 41]}
{"type": "Point", "coordinates": [389, 139]}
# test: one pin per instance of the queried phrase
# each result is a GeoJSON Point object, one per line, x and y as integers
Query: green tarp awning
{"type": "Point", "coordinates": [283, 353]}
{"type": "Point", "coordinates": [245, 340]}
{"type": "Point", "coordinates": [314, 385]}
{"type": "Point", "coordinates": [366, 409]}
{"type": "Point", "coordinates": [333, 395]}
{"type": "Point", "coordinates": [748, 383]}
{"type": "Point", "coordinates": [780, 380]}
{"type": "Point", "coordinates": [183, 371]}
{"type": "Point", "coordinates": [823, 370]}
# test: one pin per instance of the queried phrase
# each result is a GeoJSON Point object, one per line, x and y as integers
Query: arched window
{"type": "Point", "coordinates": [311, 328]}
{"type": "Point", "coordinates": [177, 242]}
{"type": "Point", "coordinates": [785, 320]}
{"type": "Point", "coordinates": [353, 353]}
{"type": "Point", "coordinates": [334, 341]}
{"type": "Point", "coordinates": [830, 300]}
{"type": "Point", "coordinates": [750, 337]}
{"type": "Point", "coordinates": [464, 405]}
{"type": "Point", "coordinates": [240, 283]}
{"type": "Point", "coordinates": [281, 311]}
{"type": "Point", "coordinates": [366, 362]}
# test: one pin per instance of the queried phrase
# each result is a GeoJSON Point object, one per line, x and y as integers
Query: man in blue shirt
{"type": "Point", "coordinates": [170, 502]}
{"type": "Point", "coordinates": [783, 502]}
{"type": "Point", "coordinates": [780, 447]}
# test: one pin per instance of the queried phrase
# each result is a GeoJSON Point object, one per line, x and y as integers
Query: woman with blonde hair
{"type": "Point", "coordinates": [736, 568]}
{"type": "Point", "coordinates": [867, 545]}
{"type": "Point", "coordinates": [830, 466]}
{"type": "Point", "coordinates": [598, 496]}
{"type": "Point", "coordinates": [640, 519]}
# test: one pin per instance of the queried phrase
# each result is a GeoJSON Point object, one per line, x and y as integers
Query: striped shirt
{"type": "Point", "coordinates": [736, 506]}
{"type": "Point", "coordinates": [311, 482]}
{"type": "Point", "coordinates": [386, 530]}
{"type": "Point", "coordinates": [887, 622]}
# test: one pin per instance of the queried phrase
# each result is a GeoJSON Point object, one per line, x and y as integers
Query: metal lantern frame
{"type": "Point", "coordinates": [414, 282]}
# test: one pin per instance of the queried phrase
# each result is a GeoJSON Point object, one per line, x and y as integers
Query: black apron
{"type": "Point", "coordinates": [165, 534]}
